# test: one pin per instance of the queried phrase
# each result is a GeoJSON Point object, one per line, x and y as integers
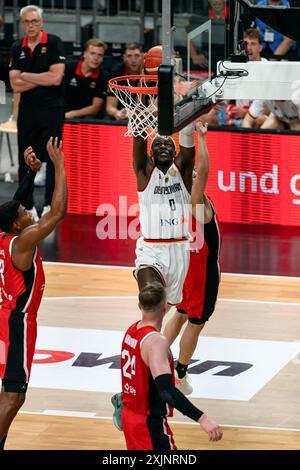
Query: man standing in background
{"type": "Point", "coordinates": [36, 71]}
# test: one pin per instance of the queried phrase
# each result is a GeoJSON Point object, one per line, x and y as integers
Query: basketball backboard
{"type": "Point", "coordinates": [180, 97]}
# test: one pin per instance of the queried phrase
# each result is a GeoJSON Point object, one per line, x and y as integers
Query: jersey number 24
{"type": "Point", "coordinates": [129, 367]}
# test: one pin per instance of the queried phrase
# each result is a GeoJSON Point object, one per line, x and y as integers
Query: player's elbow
{"type": "Point", "coordinates": [166, 396]}
{"type": "Point", "coordinates": [62, 213]}
{"type": "Point", "coordinates": [59, 213]}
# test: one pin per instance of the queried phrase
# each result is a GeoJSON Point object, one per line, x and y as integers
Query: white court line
{"type": "Point", "coordinates": [268, 302]}
{"type": "Point", "coordinates": [264, 276]}
{"type": "Point", "coordinates": [81, 414]}
{"type": "Point", "coordinates": [98, 266]}
{"type": "Point", "coordinates": [93, 297]}
{"type": "Point", "coordinates": [73, 414]}
{"type": "Point", "coordinates": [107, 266]}
{"type": "Point", "coordinates": [124, 297]}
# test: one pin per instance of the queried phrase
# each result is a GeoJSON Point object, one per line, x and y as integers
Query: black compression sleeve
{"type": "Point", "coordinates": [169, 393]}
{"type": "Point", "coordinates": [25, 187]}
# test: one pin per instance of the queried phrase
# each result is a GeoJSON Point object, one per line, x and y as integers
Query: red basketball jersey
{"type": "Point", "coordinates": [20, 290]}
{"type": "Point", "coordinates": [139, 391]}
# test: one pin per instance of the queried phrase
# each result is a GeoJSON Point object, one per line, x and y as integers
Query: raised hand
{"type": "Point", "coordinates": [54, 149]}
{"type": "Point", "coordinates": [31, 160]}
{"type": "Point", "coordinates": [201, 127]}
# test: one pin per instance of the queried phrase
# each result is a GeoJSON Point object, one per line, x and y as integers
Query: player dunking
{"type": "Point", "coordinates": [148, 390]}
{"type": "Point", "coordinates": [22, 281]}
{"type": "Point", "coordinates": [164, 183]}
{"type": "Point", "coordinates": [201, 285]}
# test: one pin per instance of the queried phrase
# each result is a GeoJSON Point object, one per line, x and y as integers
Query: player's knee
{"type": "Point", "coordinates": [182, 319]}
{"type": "Point", "coordinates": [13, 401]}
{"type": "Point", "coordinates": [196, 324]}
{"type": "Point", "coordinates": [21, 401]}
{"type": "Point", "coordinates": [181, 315]}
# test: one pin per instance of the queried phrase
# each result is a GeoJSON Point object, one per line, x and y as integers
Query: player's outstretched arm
{"type": "Point", "coordinates": [155, 352]}
{"type": "Point", "coordinates": [142, 164]}
{"type": "Point", "coordinates": [25, 244]}
{"type": "Point", "coordinates": [23, 192]}
{"type": "Point", "coordinates": [140, 156]}
{"type": "Point", "coordinates": [202, 171]}
{"type": "Point", "coordinates": [185, 160]}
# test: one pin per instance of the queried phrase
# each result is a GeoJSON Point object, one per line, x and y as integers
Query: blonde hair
{"type": "Point", "coordinates": [95, 42]}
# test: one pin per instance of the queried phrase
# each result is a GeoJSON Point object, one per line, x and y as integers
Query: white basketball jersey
{"type": "Point", "coordinates": [164, 205]}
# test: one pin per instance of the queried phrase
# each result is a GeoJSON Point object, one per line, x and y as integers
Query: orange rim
{"type": "Point", "coordinates": [144, 90]}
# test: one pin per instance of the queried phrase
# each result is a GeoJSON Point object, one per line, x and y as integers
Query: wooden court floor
{"type": "Point", "coordinates": [262, 308]}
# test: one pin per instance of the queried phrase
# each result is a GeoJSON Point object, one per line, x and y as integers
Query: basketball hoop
{"type": "Point", "coordinates": [138, 95]}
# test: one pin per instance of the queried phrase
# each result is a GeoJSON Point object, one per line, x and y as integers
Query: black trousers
{"type": "Point", "coordinates": [36, 124]}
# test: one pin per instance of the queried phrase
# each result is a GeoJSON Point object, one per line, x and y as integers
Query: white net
{"type": "Point", "coordinates": [141, 107]}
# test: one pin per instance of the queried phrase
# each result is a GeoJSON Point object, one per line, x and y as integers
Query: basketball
{"type": "Point", "coordinates": [153, 59]}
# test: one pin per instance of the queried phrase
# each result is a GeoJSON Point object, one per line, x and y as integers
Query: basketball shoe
{"type": "Point", "coordinates": [116, 401]}
{"type": "Point", "coordinates": [183, 384]}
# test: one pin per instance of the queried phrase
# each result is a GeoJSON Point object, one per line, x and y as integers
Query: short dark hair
{"type": "Point", "coordinates": [9, 212]}
{"type": "Point", "coordinates": [151, 295]}
{"type": "Point", "coordinates": [168, 137]}
{"type": "Point", "coordinates": [133, 45]}
{"type": "Point", "coordinates": [252, 33]}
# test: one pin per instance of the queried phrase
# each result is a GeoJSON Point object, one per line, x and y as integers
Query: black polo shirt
{"type": "Point", "coordinates": [79, 89]}
{"type": "Point", "coordinates": [48, 52]}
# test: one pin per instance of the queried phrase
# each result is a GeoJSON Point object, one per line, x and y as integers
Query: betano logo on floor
{"type": "Point", "coordinates": [222, 368]}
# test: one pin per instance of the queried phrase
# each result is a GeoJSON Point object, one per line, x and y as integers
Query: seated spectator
{"type": "Point", "coordinates": [283, 115]}
{"type": "Point", "coordinates": [198, 58]}
{"type": "Point", "coordinates": [273, 42]}
{"type": "Point", "coordinates": [133, 63]}
{"type": "Point", "coordinates": [218, 13]}
{"type": "Point", "coordinates": [238, 110]}
{"type": "Point", "coordinates": [86, 83]}
{"type": "Point", "coordinates": [218, 10]}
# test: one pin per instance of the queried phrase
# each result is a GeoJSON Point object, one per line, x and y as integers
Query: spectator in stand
{"type": "Point", "coordinates": [237, 111]}
{"type": "Point", "coordinates": [273, 42]}
{"type": "Point", "coordinates": [283, 115]}
{"type": "Point", "coordinates": [218, 10]}
{"type": "Point", "coordinates": [86, 83]}
{"type": "Point", "coordinates": [133, 63]}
